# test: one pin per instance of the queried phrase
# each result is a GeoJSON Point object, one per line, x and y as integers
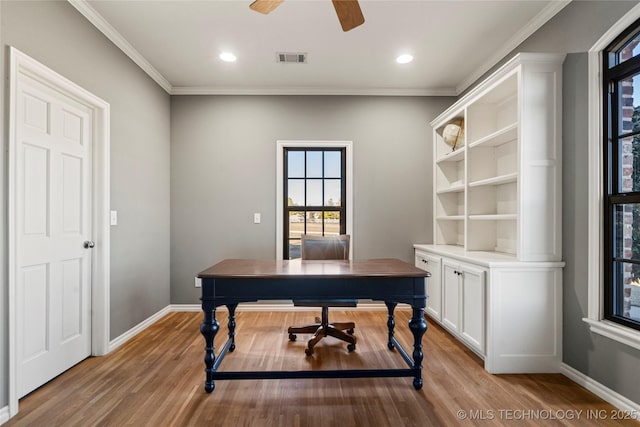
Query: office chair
{"type": "Point", "coordinates": [325, 248]}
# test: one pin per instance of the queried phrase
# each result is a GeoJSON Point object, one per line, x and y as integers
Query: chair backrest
{"type": "Point", "coordinates": [325, 247]}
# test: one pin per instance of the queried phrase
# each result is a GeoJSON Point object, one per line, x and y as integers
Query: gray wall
{"type": "Point", "coordinates": [574, 30]}
{"type": "Point", "coordinates": [609, 362]}
{"type": "Point", "coordinates": [223, 169]}
{"type": "Point", "coordinates": [55, 34]}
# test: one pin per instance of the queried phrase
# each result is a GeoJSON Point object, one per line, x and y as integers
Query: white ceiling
{"type": "Point", "coordinates": [177, 42]}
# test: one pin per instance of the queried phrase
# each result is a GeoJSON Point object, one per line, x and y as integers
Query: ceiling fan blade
{"type": "Point", "coordinates": [349, 13]}
{"type": "Point", "coordinates": [265, 6]}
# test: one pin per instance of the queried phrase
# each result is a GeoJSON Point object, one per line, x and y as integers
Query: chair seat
{"type": "Point", "coordinates": [330, 303]}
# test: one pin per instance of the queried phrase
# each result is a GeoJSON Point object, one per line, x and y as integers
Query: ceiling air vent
{"type": "Point", "coordinates": [292, 57]}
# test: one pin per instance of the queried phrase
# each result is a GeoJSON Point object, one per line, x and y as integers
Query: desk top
{"type": "Point", "coordinates": [283, 269]}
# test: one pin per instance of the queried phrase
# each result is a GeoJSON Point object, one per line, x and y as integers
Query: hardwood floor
{"type": "Point", "coordinates": [157, 379]}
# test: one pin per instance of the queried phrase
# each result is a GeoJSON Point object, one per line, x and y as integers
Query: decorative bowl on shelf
{"type": "Point", "coordinates": [453, 133]}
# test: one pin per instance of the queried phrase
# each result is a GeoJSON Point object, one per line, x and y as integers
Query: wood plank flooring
{"type": "Point", "coordinates": [157, 379]}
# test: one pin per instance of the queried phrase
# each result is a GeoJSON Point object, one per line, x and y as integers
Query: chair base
{"type": "Point", "coordinates": [323, 328]}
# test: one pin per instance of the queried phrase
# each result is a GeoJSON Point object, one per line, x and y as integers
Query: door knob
{"type": "Point", "coordinates": [89, 244]}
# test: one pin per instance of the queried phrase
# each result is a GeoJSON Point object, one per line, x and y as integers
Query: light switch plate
{"type": "Point", "coordinates": [198, 282]}
{"type": "Point", "coordinates": [114, 217]}
{"type": "Point", "coordinates": [256, 218]}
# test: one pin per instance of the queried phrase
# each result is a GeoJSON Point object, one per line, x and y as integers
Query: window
{"type": "Point", "coordinates": [314, 189]}
{"type": "Point", "coordinates": [314, 192]}
{"type": "Point", "coordinates": [606, 59]}
{"type": "Point", "coordinates": [621, 179]}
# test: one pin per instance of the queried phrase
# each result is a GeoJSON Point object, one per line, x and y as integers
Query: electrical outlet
{"type": "Point", "coordinates": [114, 217]}
{"type": "Point", "coordinates": [256, 218]}
{"type": "Point", "coordinates": [198, 282]}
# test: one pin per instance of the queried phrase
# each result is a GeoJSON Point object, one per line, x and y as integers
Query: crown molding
{"type": "Point", "coordinates": [532, 26]}
{"type": "Point", "coordinates": [206, 90]}
{"type": "Point", "coordinates": [112, 34]}
{"type": "Point", "coordinates": [118, 39]}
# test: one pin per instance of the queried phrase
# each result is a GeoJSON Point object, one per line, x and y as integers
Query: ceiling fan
{"type": "Point", "coordinates": [349, 12]}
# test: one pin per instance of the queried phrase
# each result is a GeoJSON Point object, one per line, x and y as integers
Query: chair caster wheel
{"type": "Point", "coordinates": [308, 351]}
{"type": "Point", "coordinates": [350, 331]}
{"type": "Point", "coordinates": [351, 347]}
{"type": "Point", "coordinates": [292, 337]}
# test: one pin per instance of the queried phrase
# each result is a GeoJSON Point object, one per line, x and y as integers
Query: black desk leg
{"type": "Point", "coordinates": [232, 326]}
{"type": "Point", "coordinates": [391, 306]}
{"type": "Point", "coordinates": [418, 327]}
{"type": "Point", "coordinates": [209, 329]}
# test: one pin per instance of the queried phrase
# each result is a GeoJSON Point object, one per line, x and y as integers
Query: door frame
{"type": "Point", "coordinates": [21, 64]}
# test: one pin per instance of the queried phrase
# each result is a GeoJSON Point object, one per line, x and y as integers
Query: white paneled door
{"type": "Point", "coordinates": [53, 232]}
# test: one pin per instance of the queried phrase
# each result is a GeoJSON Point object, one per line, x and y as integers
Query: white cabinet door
{"type": "Point", "coordinates": [463, 301]}
{"type": "Point", "coordinates": [480, 302]}
{"type": "Point", "coordinates": [472, 320]}
{"type": "Point", "coordinates": [450, 295]}
{"type": "Point", "coordinates": [434, 284]}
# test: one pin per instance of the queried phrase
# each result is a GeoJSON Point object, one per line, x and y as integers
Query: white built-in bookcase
{"type": "Point", "coordinates": [496, 260]}
{"type": "Point", "coordinates": [499, 191]}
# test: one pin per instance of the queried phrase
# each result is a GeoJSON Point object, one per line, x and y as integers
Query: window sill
{"type": "Point", "coordinates": [616, 332]}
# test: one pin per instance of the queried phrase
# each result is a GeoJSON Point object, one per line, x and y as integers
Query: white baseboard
{"type": "Point", "coordinates": [4, 415]}
{"type": "Point", "coordinates": [117, 342]}
{"type": "Point", "coordinates": [578, 377]}
{"type": "Point", "coordinates": [185, 307]}
{"type": "Point", "coordinates": [614, 398]}
{"type": "Point", "coordinates": [374, 306]}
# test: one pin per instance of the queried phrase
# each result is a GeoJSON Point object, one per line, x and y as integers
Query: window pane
{"type": "Point", "coordinates": [629, 92]}
{"type": "Point", "coordinates": [295, 251]}
{"type": "Point", "coordinates": [295, 192]}
{"type": "Point", "coordinates": [296, 224]}
{"type": "Point", "coordinates": [627, 291]}
{"type": "Point", "coordinates": [331, 223]}
{"type": "Point", "coordinates": [629, 50]}
{"type": "Point", "coordinates": [314, 164]}
{"type": "Point", "coordinates": [629, 164]}
{"type": "Point", "coordinates": [626, 235]}
{"type": "Point", "coordinates": [332, 164]}
{"type": "Point", "coordinates": [314, 223]}
{"type": "Point", "coordinates": [295, 167]}
{"type": "Point", "coordinates": [314, 192]}
{"type": "Point", "coordinates": [332, 192]}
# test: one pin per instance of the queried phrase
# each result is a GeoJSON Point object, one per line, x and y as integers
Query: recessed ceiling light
{"type": "Point", "coordinates": [228, 57]}
{"type": "Point", "coordinates": [404, 59]}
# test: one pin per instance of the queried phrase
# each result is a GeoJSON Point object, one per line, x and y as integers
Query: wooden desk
{"type": "Point", "coordinates": [231, 282]}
